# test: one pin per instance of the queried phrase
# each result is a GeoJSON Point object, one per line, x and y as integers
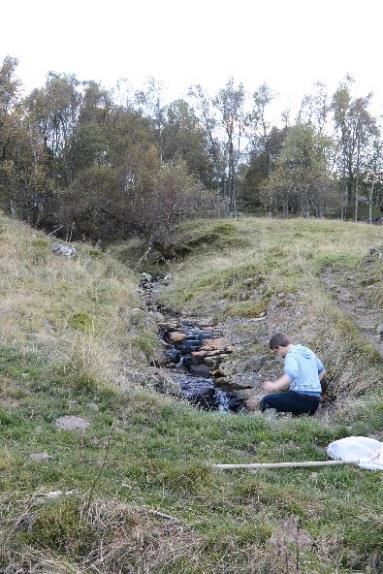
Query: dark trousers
{"type": "Point", "coordinates": [290, 402]}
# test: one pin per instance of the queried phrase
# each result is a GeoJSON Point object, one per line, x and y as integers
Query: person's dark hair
{"type": "Point", "coordinates": [279, 340]}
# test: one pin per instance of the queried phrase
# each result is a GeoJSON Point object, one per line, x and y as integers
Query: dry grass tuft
{"type": "Point", "coordinates": [133, 540]}
{"type": "Point", "coordinates": [107, 537]}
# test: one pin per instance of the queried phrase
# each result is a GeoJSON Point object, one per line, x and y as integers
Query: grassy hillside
{"type": "Point", "coordinates": [134, 492]}
{"type": "Point", "coordinates": [277, 266]}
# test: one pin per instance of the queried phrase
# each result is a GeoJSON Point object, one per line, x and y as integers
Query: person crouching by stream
{"type": "Point", "coordinates": [302, 374]}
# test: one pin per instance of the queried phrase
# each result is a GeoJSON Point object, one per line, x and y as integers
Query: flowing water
{"type": "Point", "coordinates": [194, 367]}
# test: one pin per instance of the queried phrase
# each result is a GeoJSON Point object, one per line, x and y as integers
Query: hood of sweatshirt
{"type": "Point", "coordinates": [301, 351]}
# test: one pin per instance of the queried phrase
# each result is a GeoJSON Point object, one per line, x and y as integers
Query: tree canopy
{"type": "Point", "coordinates": [74, 159]}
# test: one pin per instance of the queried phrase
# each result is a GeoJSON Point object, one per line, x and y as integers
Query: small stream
{"type": "Point", "coordinates": [193, 352]}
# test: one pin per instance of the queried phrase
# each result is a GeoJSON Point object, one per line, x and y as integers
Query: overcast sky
{"type": "Point", "coordinates": [290, 44]}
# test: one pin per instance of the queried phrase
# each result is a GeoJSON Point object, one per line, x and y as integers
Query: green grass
{"type": "Point", "coordinates": [338, 261]}
{"type": "Point", "coordinates": [146, 452]}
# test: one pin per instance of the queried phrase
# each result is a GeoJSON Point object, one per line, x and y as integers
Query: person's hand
{"type": "Point", "coordinates": [268, 386]}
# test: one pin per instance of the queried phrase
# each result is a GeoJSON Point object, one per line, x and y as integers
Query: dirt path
{"type": "Point", "coordinates": [355, 301]}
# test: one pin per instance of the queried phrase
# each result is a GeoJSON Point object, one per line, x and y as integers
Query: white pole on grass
{"type": "Point", "coordinates": [271, 465]}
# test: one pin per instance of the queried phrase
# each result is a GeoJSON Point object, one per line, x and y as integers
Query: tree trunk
{"type": "Point", "coordinates": [370, 200]}
{"type": "Point", "coordinates": [356, 206]}
{"type": "Point", "coordinates": [286, 207]}
{"type": "Point", "coordinates": [357, 180]}
{"type": "Point", "coordinates": [232, 201]}
{"type": "Point", "coordinates": [344, 203]}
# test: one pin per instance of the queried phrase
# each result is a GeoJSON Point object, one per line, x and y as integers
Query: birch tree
{"type": "Point", "coordinates": [354, 126]}
{"type": "Point", "coordinates": [229, 103]}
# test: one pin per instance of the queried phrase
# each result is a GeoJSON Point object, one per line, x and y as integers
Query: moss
{"type": "Point", "coordinates": [225, 228]}
{"type": "Point", "coordinates": [96, 254]}
{"type": "Point", "coordinates": [248, 309]}
{"type": "Point", "coordinates": [9, 418]}
{"type": "Point", "coordinates": [242, 536]}
{"type": "Point", "coordinates": [60, 527]}
{"type": "Point", "coordinates": [337, 261]}
{"type": "Point", "coordinates": [365, 540]}
{"type": "Point", "coordinates": [82, 321]}
{"type": "Point", "coordinates": [39, 251]}
{"type": "Point", "coordinates": [189, 478]}
{"type": "Point", "coordinates": [6, 460]}
{"type": "Point", "coordinates": [371, 279]}
{"type": "Point", "coordinates": [40, 243]}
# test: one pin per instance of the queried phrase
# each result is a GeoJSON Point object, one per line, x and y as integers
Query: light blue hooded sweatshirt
{"type": "Point", "coordinates": [303, 368]}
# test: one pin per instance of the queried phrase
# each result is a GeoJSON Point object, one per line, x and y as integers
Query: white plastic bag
{"type": "Point", "coordinates": [364, 451]}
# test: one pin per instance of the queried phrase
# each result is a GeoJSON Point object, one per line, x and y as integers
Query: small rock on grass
{"type": "Point", "coordinates": [39, 456]}
{"type": "Point", "coordinates": [53, 494]}
{"type": "Point", "coordinates": [71, 423]}
{"type": "Point", "coordinates": [59, 249]}
{"type": "Point", "coordinates": [93, 407]}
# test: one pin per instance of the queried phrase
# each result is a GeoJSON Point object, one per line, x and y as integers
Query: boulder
{"type": "Point", "coordinates": [245, 394]}
{"type": "Point", "coordinates": [146, 277]}
{"type": "Point", "coordinates": [202, 370]}
{"type": "Point", "coordinates": [254, 363]}
{"type": "Point", "coordinates": [213, 344]}
{"type": "Point", "coordinates": [213, 362]}
{"type": "Point", "coordinates": [205, 322]}
{"type": "Point", "coordinates": [157, 316]}
{"type": "Point", "coordinates": [202, 354]}
{"type": "Point", "coordinates": [168, 325]}
{"type": "Point", "coordinates": [176, 336]}
{"type": "Point", "coordinates": [166, 385]}
{"type": "Point", "coordinates": [236, 385]}
{"type": "Point", "coordinates": [60, 249]}
{"type": "Point", "coordinates": [136, 316]}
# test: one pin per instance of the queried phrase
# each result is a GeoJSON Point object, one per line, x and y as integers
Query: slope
{"type": "Point", "coordinates": [134, 492]}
